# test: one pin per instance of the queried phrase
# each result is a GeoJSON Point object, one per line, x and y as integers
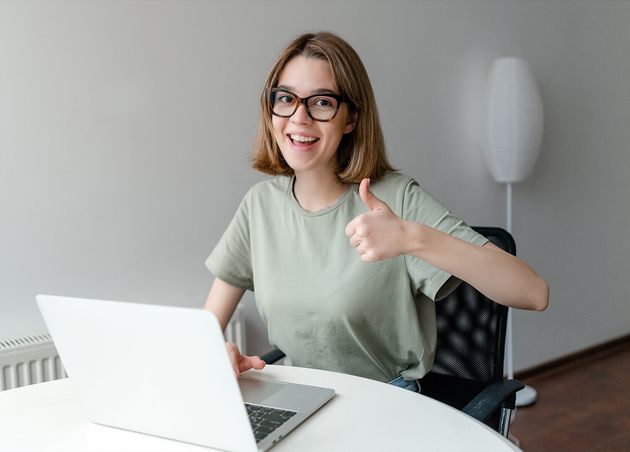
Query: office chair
{"type": "Point", "coordinates": [467, 372]}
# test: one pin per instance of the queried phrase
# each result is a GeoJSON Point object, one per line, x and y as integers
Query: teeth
{"type": "Point", "coordinates": [303, 139]}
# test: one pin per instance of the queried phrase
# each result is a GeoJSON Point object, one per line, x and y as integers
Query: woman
{"type": "Point", "coordinates": [345, 255]}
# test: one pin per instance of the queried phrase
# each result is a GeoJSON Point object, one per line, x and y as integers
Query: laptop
{"type": "Point", "coordinates": [165, 371]}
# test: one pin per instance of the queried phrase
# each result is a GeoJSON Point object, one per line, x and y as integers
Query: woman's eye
{"type": "Point", "coordinates": [323, 102]}
{"type": "Point", "coordinates": [286, 99]}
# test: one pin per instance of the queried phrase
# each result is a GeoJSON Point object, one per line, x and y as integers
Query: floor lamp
{"type": "Point", "coordinates": [511, 144]}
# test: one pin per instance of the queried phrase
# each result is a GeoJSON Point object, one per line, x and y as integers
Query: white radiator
{"type": "Point", "coordinates": [28, 360]}
{"type": "Point", "coordinates": [34, 359]}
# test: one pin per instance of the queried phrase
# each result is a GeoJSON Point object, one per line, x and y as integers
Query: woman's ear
{"type": "Point", "coordinates": [352, 122]}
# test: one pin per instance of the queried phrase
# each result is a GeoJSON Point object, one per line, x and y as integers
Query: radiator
{"type": "Point", "coordinates": [27, 360]}
{"type": "Point", "coordinates": [34, 359]}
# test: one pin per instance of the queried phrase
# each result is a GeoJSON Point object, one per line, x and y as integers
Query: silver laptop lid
{"type": "Point", "coordinates": [153, 369]}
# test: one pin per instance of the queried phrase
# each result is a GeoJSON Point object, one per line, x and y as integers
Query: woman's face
{"type": "Point", "coordinates": [308, 145]}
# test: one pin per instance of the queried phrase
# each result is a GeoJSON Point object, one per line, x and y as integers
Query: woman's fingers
{"type": "Point", "coordinates": [251, 362]}
{"type": "Point", "coordinates": [241, 363]}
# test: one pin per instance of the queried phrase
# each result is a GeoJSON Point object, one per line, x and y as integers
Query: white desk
{"type": "Point", "coordinates": [364, 416]}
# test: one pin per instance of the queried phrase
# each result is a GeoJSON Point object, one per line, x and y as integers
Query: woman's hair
{"type": "Point", "coordinates": [361, 153]}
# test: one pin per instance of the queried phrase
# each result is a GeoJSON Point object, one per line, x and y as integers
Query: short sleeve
{"type": "Point", "coordinates": [419, 206]}
{"type": "Point", "coordinates": [231, 259]}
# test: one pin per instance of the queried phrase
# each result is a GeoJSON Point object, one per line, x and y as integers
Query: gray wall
{"type": "Point", "coordinates": [125, 130]}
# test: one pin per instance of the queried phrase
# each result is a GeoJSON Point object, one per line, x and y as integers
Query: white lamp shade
{"type": "Point", "coordinates": [513, 127]}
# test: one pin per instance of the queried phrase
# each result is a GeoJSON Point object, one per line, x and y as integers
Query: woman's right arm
{"type": "Point", "coordinates": [222, 301]}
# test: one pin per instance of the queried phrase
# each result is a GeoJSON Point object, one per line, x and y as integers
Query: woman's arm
{"type": "Point", "coordinates": [495, 273]}
{"type": "Point", "coordinates": [380, 234]}
{"type": "Point", "coordinates": [222, 301]}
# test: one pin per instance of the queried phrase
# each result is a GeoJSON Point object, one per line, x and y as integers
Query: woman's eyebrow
{"type": "Point", "coordinates": [317, 91]}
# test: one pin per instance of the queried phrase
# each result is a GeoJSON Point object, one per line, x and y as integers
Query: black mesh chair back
{"type": "Point", "coordinates": [468, 368]}
{"type": "Point", "coordinates": [471, 327]}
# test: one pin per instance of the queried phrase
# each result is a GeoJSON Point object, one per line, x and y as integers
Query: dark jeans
{"type": "Point", "coordinates": [411, 385]}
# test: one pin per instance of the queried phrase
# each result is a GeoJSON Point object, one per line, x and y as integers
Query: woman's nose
{"type": "Point", "coordinates": [301, 116]}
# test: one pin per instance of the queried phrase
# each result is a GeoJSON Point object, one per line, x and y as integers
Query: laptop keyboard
{"type": "Point", "coordinates": [265, 420]}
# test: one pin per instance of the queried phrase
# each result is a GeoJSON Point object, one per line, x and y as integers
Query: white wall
{"type": "Point", "coordinates": [125, 131]}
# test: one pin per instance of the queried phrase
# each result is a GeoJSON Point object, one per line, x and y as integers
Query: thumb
{"type": "Point", "coordinates": [257, 362]}
{"type": "Point", "coordinates": [371, 201]}
{"type": "Point", "coordinates": [251, 362]}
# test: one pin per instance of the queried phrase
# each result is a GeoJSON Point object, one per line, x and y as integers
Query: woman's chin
{"type": "Point", "coordinates": [299, 161]}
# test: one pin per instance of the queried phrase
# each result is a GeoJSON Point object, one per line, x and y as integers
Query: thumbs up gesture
{"type": "Point", "coordinates": [378, 234]}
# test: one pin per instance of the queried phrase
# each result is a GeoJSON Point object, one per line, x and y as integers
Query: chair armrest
{"type": "Point", "coordinates": [493, 397]}
{"type": "Point", "coordinates": [273, 356]}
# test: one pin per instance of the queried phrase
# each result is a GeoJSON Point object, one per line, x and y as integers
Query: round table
{"type": "Point", "coordinates": [364, 415]}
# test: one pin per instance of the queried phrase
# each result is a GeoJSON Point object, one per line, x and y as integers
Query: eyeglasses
{"type": "Point", "coordinates": [320, 107]}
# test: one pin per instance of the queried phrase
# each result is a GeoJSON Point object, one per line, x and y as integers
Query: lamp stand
{"type": "Point", "coordinates": [527, 395]}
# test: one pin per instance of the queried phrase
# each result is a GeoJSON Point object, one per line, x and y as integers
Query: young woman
{"type": "Point", "coordinates": [345, 255]}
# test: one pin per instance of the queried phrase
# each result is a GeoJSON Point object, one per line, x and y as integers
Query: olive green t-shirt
{"type": "Point", "coordinates": [323, 306]}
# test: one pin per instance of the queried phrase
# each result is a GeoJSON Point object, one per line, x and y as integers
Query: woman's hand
{"type": "Point", "coordinates": [241, 363]}
{"type": "Point", "coordinates": [378, 234]}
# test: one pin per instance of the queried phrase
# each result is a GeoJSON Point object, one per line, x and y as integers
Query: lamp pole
{"type": "Point", "coordinates": [527, 395]}
{"type": "Point", "coordinates": [509, 360]}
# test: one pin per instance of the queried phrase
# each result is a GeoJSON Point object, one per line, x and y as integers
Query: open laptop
{"type": "Point", "coordinates": [165, 371]}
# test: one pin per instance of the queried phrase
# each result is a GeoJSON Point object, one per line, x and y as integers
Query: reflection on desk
{"type": "Point", "coordinates": [365, 415]}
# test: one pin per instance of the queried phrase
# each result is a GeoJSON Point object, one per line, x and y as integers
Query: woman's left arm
{"type": "Point", "coordinates": [495, 273]}
{"type": "Point", "coordinates": [381, 234]}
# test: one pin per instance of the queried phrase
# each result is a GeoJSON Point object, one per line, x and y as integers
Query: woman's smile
{"type": "Point", "coordinates": [302, 141]}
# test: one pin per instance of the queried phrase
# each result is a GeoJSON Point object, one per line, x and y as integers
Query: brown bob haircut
{"type": "Point", "coordinates": [361, 153]}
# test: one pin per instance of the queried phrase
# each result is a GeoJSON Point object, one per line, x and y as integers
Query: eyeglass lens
{"type": "Point", "coordinates": [319, 106]}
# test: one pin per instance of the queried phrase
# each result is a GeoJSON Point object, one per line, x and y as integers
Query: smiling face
{"type": "Point", "coordinates": [308, 145]}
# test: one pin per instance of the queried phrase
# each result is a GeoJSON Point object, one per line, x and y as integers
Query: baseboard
{"type": "Point", "coordinates": [582, 355]}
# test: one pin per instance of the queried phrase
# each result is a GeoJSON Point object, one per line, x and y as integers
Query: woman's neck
{"type": "Point", "coordinates": [315, 192]}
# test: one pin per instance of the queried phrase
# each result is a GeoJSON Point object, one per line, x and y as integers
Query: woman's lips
{"type": "Point", "coordinates": [301, 142]}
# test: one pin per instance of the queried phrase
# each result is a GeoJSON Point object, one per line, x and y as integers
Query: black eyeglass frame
{"type": "Point", "coordinates": [304, 101]}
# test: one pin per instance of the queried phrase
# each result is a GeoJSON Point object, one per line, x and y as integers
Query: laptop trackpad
{"type": "Point", "coordinates": [255, 391]}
